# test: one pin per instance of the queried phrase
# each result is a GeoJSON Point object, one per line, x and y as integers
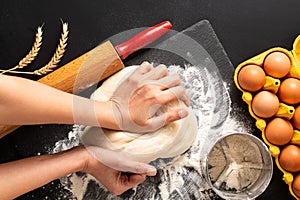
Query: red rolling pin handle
{"type": "Point", "coordinates": [143, 39]}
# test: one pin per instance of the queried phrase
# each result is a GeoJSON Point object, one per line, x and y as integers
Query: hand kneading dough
{"type": "Point", "coordinates": [170, 140]}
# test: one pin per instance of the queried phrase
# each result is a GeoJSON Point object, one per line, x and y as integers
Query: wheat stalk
{"type": "Point", "coordinates": [57, 55]}
{"type": "Point", "coordinates": [56, 58]}
{"type": "Point", "coordinates": [32, 53]}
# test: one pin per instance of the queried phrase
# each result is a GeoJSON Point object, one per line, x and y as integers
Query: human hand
{"type": "Point", "coordinates": [138, 98]}
{"type": "Point", "coordinates": [117, 173]}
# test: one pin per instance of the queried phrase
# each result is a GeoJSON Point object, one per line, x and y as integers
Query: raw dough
{"type": "Point", "coordinates": [170, 140]}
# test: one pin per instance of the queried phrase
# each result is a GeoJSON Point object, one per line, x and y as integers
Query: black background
{"type": "Point", "coordinates": [245, 28]}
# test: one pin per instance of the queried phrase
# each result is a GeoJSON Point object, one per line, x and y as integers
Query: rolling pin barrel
{"type": "Point", "coordinates": [86, 70]}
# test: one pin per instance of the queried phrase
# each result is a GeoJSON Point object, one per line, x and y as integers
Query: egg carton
{"type": "Point", "coordinates": [285, 111]}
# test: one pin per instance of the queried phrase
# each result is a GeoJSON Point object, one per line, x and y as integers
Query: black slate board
{"type": "Point", "coordinates": [198, 46]}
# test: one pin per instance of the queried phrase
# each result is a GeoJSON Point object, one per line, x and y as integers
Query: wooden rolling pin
{"type": "Point", "coordinates": [96, 65]}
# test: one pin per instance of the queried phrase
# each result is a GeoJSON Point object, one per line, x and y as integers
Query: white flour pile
{"type": "Point", "coordinates": [180, 177]}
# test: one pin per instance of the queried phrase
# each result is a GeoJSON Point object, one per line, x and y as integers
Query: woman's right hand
{"type": "Point", "coordinates": [136, 101]}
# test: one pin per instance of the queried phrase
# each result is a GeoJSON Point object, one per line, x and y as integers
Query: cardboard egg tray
{"type": "Point", "coordinates": [285, 111]}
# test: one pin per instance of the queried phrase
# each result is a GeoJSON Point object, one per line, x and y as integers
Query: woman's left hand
{"type": "Point", "coordinates": [116, 172]}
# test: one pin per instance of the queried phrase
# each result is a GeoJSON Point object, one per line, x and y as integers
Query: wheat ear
{"type": "Point", "coordinates": [32, 53]}
{"type": "Point", "coordinates": [58, 53]}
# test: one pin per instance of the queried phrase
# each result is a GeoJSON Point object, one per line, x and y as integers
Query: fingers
{"type": "Point", "coordinates": [135, 179]}
{"type": "Point", "coordinates": [166, 118]}
{"type": "Point", "coordinates": [159, 73]}
{"type": "Point", "coordinates": [125, 182]}
{"type": "Point", "coordinates": [146, 63]}
{"type": "Point", "coordinates": [120, 162]}
{"type": "Point", "coordinates": [128, 181]}
{"type": "Point", "coordinates": [156, 73]}
{"type": "Point", "coordinates": [131, 180]}
{"type": "Point", "coordinates": [174, 83]}
{"type": "Point", "coordinates": [170, 85]}
{"type": "Point", "coordinates": [171, 80]}
{"type": "Point", "coordinates": [175, 114]}
{"type": "Point", "coordinates": [171, 94]}
{"type": "Point", "coordinates": [144, 68]}
{"type": "Point", "coordinates": [136, 167]}
{"type": "Point", "coordinates": [186, 100]}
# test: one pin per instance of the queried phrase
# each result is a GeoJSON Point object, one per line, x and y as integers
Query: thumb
{"type": "Point", "coordinates": [137, 167]}
{"type": "Point", "coordinates": [120, 162]}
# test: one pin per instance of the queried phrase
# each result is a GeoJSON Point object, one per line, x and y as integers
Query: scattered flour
{"type": "Point", "coordinates": [180, 177]}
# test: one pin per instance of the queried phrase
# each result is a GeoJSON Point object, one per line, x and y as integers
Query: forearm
{"type": "Point", "coordinates": [27, 102]}
{"type": "Point", "coordinates": [24, 101]}
{"type": "Point", "coordinates": [19, 177]}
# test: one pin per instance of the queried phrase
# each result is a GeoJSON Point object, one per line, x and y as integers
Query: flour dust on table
{"type": "Point", "coordinates": [180, 177]}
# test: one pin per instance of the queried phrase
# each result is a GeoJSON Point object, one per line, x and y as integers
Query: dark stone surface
{"type": "Point", "coordinates": [245, 28]}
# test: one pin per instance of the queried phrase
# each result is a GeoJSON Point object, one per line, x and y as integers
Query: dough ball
{"type": "Point", "coordinates": [170, 140]}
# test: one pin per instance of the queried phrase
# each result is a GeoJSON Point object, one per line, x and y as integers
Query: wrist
{"type": "Point", "coordinates": [105, 115]}
{"type": "Point", "coordinates": [80, 156]}
{"type": "Point", "coordinates": [90, 163]}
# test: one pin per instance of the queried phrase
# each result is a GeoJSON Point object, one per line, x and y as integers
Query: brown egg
{"type": "Point", "coordinates": [277, 64]}
{"type": "Point", "coordinates": [279, 131]}
{"type": "Point", "coordinates": [296, 185]}
{"type": "Point", "coordinates": [251, 78]}
{"type": "Point", "coordinates": [265, 104]}
{"type": "Point", "coordinates": [289, 91]}
{"type": "Point", "coordinates": [289, 158]}
{"type": "Point", "coordinates": [296, 118]}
